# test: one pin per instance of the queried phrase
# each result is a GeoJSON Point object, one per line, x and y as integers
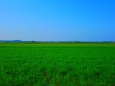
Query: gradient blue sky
{"type": "Point", "coordinates": [57, 20]}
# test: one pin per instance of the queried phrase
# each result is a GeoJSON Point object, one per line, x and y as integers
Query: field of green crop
{"type": "Point", "coordinates": [57, 64]}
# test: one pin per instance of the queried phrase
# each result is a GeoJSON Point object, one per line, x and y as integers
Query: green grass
{"type": "Point", "coordinates": [57, 64]}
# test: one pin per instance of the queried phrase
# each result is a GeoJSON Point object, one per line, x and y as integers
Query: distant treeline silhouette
{"type": "Point", "coordinates": [54, 42]}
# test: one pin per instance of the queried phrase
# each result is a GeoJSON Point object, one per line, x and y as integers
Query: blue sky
{"type": "Point", "coordinates": [57, 20]}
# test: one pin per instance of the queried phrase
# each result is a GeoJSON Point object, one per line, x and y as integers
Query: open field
{"type": "Point", "coordinates": [57, 64]}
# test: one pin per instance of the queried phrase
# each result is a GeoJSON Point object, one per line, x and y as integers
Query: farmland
{"type": "Point", "coordinates": [57, 64]}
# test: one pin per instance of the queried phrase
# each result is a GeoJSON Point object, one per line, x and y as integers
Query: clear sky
{"type": "Point", "coordinates": [57, 20]}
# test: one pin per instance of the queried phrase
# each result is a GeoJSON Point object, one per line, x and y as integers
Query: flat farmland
{"type": "Point", "coordinates": [57, 64]}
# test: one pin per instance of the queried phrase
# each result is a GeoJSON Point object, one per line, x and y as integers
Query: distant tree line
{"type": "Point", "coordinates": [54, 42]}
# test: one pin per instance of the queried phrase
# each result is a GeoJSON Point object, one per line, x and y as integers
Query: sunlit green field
{"type": "Point", "coordinates": [57, 64]}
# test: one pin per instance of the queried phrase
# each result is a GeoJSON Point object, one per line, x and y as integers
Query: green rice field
{"type": "Point", "coordinates": [57, 64]}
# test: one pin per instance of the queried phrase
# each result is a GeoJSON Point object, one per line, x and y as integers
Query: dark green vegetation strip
{"type": "Point", "coordinates": [57, 64]}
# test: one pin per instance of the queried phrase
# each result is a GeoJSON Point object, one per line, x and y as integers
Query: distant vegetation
{"type": "Point", "coordinates": [57, 42]}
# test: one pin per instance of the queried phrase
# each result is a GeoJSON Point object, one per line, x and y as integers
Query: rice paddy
{"type": "Point", "coordinates": [57, 64]}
